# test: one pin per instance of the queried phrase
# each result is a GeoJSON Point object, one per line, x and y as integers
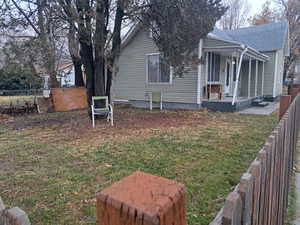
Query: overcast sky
{"type": "Point", "coordinates": [256, 6]}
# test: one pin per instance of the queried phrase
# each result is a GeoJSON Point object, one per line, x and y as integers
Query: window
{"type": "Point", "coordinates": [158, 70]}
{"type": "Point", "coordinates": [214, 62]}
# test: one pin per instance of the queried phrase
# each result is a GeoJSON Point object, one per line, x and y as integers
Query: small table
{"type": "Point", "coordinates": [213, 88]}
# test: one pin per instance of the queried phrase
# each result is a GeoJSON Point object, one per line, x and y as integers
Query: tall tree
{"type": "Point", "coordinates": [236, 15]}
{"type": "Point", "coordinates": [98, 25]}
{"type": "Point", "coordinates": [178, 25]}
{"type": "Point", "coordinates": [37, 17]}
{"type": "Point", "coordinates": [291, 13]}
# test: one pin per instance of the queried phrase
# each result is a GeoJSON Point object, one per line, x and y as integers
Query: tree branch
{"type": "Point", "coordinates": [26, 17]}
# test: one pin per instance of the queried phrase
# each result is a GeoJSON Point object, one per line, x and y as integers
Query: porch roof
{"type": "Point", "coordinates": [256, 37]}
{"type": "Point", "coordinates": [238, 48]}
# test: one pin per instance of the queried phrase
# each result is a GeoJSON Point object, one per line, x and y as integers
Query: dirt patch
{"type": "Point", "coordinates": [74, 127]}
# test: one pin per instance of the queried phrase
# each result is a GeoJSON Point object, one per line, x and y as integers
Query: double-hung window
{"type": "Point", "coordinates": [158, 70]}
{"type": "Point", "coordinates": [214, 62]}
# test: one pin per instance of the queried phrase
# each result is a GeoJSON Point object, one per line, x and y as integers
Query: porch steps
{"type": "Point", "coordinates": [259, 103]}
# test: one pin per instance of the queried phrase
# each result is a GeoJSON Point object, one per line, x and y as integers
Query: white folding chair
{"type": "Point", "coordinates": [106, 110]}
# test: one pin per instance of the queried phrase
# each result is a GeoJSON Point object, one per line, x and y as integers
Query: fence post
{"type": "Point", "coordinates": [285, 101]}
{"type": "Point", "coordinates": [246, 193]}
{"type": "Point", "coordinates": [232, 213]}
{"type": "Point", "coordinates": [262, 157]}
{"type": "Point", "coordinates": [255, 170]}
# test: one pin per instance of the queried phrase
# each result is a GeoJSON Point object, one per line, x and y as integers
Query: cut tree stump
{"type": "Point", "coordinates": [142, 199]}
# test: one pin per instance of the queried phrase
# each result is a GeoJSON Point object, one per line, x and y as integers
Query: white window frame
{"type": "Point", "coordinates": [147, 72]}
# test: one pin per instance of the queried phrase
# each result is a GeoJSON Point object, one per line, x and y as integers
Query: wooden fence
{"type": "Point", "coordinates": [261, 197]}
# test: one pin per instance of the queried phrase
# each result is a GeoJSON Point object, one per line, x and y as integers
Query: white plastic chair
{"type": "Point", "coordinates": [107, 110]}
{"type": "Point", "coordinates": [156, 97]}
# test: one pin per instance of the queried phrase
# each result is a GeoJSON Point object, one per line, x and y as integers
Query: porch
{"type": "Point", "coordinates": [225, 104]}
{"type": "Point", "coordinates": [233, 79]}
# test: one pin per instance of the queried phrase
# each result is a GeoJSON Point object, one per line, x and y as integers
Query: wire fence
{"type": "Point", "coordinates": [32, 92]}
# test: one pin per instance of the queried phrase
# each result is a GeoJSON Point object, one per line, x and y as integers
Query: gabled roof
{"type": "Point", "coordinates": [267, 37]}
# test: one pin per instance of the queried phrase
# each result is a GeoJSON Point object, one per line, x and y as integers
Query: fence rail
{"type": "Point", "coordinates": [261, 197]}
{"type": "Point", "coordinates": [21, 92]}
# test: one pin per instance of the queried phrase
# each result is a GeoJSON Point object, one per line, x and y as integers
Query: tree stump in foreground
{"type": "Point", "coordinates": [142, 199]}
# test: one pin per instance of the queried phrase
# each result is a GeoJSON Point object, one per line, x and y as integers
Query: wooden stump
{"type": "Point", "coordinates": [142, 199]}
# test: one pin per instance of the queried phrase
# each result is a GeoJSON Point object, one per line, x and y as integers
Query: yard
{"type": "Point", "coordinates": [52, 165]}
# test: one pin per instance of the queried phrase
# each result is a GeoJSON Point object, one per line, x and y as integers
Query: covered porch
{"type": "Point", "coordinates": [234, 77]}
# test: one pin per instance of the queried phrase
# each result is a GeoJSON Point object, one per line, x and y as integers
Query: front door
{"type": "Point", "coordinates": [228, 78]}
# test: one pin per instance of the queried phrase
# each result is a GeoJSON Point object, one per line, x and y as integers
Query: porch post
{"type": "Point", "coordinates": [238, 75]}
{"type": "Point", "coordinates": [256, 78]}
{"type": "Point", "coordinates": [206, 76]}
{"type": "Point", "coordinates": [263, 79]}
{"type": "Point", "coordinates": [249, 78]}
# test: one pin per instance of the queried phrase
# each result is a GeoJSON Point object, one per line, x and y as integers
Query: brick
{"type": "Point", "coordinates": [142, 199]}
{"type": "Point", "coordinates": [232, 213]}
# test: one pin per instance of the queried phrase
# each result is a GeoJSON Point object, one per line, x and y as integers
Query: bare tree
{"type": "Point", "coordinates": [236, 15]}
{"type": "Point", "coordinates": [267, 15]}
{"type": "Point", "coordinates": [38, 18]}
{"type": "Point", "coordinates": [291, 13]}
{"type": "Point", "coordinates": [95, 26]}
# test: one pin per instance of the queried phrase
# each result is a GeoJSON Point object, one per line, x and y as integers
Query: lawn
{"type": "Point", "coordinates": [52, 165]}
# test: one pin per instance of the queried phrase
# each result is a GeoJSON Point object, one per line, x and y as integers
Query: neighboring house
{"type": "Point", "coordinates": [216, 83]}
{"type": "Point", "coordinates": [66, 75]}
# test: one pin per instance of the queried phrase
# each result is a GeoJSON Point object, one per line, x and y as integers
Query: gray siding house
{"type": "Point", "coordinates": [237, 67]}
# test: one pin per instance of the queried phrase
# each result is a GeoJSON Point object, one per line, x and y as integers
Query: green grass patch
{"type": "Point", "coordinates": [56, 182]}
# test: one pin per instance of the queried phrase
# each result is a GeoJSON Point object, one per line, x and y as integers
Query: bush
{"type": "Point", "coordinates": [19, 80]}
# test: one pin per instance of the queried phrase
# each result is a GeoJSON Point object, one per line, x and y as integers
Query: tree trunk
{"type": "Point", "coordinates": [48, 45]}
{"type": "Point", "coordinates": [79, 82]}
{"type": "Point", "coordinates": [85, 40]}
{"type": "Point", "coordinates": [99, 41]}
{"type": "Point", "coordinates": [116, 45]}
{"type": "Point", "coordinates": [73, 43]}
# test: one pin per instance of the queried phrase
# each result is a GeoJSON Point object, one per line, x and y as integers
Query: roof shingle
{"type": "Point", "coordinates": [267, 37]}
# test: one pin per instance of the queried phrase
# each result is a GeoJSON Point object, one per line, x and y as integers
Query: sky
{"type": "Point", "coordinates": [256, 6]}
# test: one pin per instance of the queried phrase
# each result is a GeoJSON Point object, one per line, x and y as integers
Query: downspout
{"type": "Point", "coordinates": [200, 54]}
{"type": "Point", "coordinates": [238, 75]}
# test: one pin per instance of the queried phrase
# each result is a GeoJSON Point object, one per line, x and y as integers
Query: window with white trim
{"type": "Point", "coordinates": [158, 70]}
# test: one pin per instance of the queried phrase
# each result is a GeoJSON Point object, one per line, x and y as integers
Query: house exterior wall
{"type": "Point", "coordinates": [130, 81]}
{"type": "Point", "coordinates": [270, 74]}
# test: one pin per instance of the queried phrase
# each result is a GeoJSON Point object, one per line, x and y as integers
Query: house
{"type": "Point", "coordinates": [237, 67]}
{"type": "Point", "coordinates": [66, 74]}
